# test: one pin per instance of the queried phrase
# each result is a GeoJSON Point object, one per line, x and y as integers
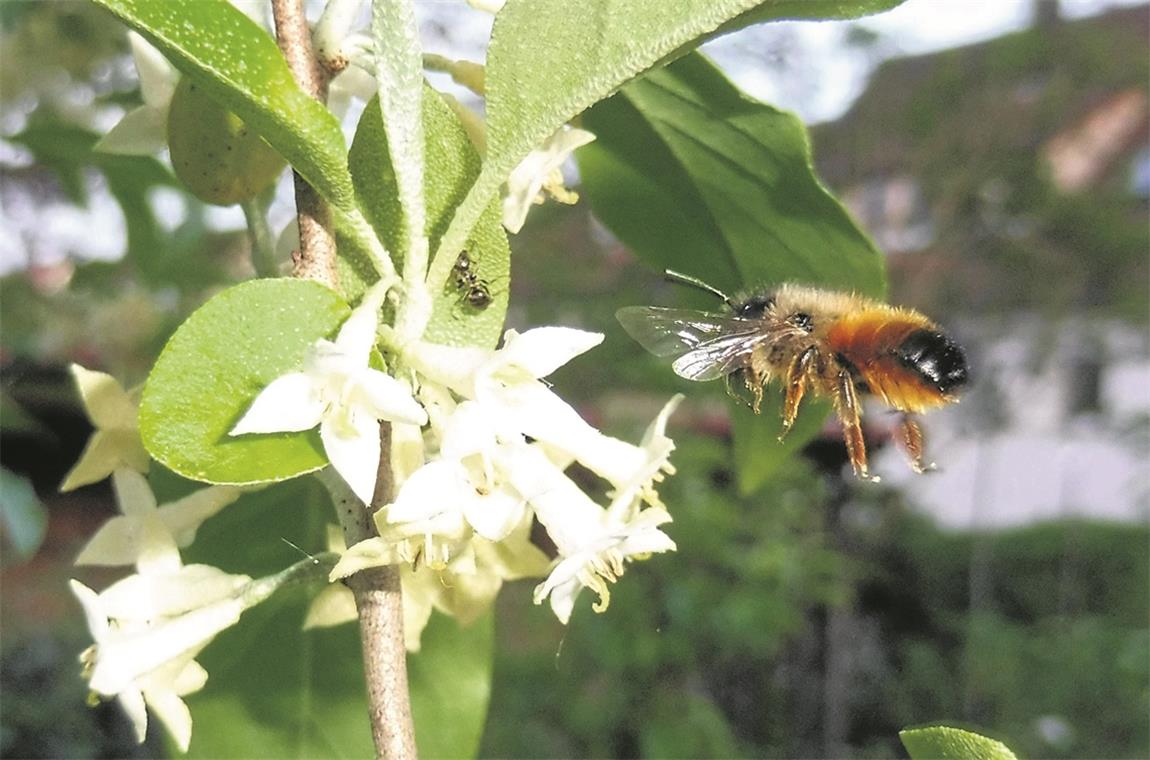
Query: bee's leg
{"type": "Point", "coordinates": [911, 439]}
{"type": "Point", "coordinates": [753, 383]}
{"type": "Point", "coordinates": [796, 386]}
{"type": "Point", "coordinates": [847, 406]}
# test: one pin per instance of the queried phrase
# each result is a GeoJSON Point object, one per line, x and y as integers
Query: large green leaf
{"type": "Point", "coordinates": [946, 743]}
{"type": "Point", "coordinates": [452, 166]}
{"type": "Point", "coordinates": [238, 64]}
{"type": "Point", "coordinates": [215, 365]}
{"type": "Point", "coordinates": [550, 59]}
{"type": "Point", "coordinates": [450, 681]}
{"type": "Point", "coordinates": [695, 176]}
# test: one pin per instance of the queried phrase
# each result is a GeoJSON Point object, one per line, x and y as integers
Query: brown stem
{"type": "Point", "coordinates": [378, 596]}
{"type": "Point", "coordinates": [315, 259]}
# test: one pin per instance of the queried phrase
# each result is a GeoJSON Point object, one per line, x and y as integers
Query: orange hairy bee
{"type": "Point", "coordinates": [837, 345]}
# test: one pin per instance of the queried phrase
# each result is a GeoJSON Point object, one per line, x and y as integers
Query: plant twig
{"type": "Point", "coordinates": [315, 259]}
{"type": "Point", "coordinates": [378, 596]}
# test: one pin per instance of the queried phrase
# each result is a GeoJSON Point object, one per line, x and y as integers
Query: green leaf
{"type": "Point", "coordinates": [215, 365]}
{"type": "Point", "coordinates": [399, 72]}
{"type": "Point", "coordinates": [691, 173]}
{"type": "Point", "coordinates": [238, 64]}
{"type": "Point", "coordinates": [549, 60]}
{"type": "Point", "coordinates": [22, 516]}
{"type": "Point", "coordinates": [759, 454]}
{"type": "Point", "coordinates": [695, 176]}
{"type": "Point", "coordinates": [946, 743]}
{"type": "Point", "coordinates": [452, 166]}
{"type": "Point", "coordinates": [450, 682]}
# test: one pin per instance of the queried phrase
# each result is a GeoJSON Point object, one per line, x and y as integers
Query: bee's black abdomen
{"type": "Point", "coordinates": [937, 359]}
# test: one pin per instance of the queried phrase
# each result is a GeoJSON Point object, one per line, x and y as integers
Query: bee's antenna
{"type": "Point", "coordinates": [687, 279]}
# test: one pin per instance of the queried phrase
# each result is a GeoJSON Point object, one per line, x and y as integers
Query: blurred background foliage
{"type": "Point", "coordinates": [1007, 180]}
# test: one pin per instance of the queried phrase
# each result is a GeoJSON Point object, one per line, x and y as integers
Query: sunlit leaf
{"type": "Point", "coordinates": [238, 64]}
{"type": "Point", "coordinates": [946, 743]}
{"type": "Point", "coordinates": [215, 365]}
{"type": "Point", "coordinates": [549, 60]}
{"type": "Point", "coordinates": [452, 165]}
{"type": "Point", "coordinates": [450, 681]}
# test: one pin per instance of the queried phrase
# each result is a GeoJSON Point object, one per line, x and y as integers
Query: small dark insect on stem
{"type": "Point", "coordinates": [695, 282]}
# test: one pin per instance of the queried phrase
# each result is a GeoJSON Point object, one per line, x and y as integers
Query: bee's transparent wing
{"type": "Point", "coordinates": [707, 346]}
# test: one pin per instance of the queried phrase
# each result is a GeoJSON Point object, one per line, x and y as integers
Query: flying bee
{"type": "Point", "coordinates": [473, 289]}
{"type": "Point", "coordinates": [837, 345]}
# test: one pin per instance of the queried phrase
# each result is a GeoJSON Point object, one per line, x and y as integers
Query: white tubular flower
{"type": "Point", "coordinates": [148, 628]}
{"type": "Point", "coordinates": [600, 559]}
{"type": "Point", "coordinates": [116, 439]}
{"type": "Point", "coordinates": [539, 173]}
{"type": "Point", "coordinates": [144, 131]}
{"type": "Point", "coordinates": [593, 543]}
{"type": "Point", "coordinates": [508, 384]}
{"type": "Point", "coordinates": [344, 396]}
{"type": "Point", "coordinates": [145, 532]}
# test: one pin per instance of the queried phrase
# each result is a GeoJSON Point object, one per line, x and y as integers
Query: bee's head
{"type": "Point", "coordinates": [754, 307]}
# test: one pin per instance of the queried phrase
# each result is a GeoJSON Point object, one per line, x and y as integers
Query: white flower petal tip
{"type": "Point", "coordinates": [537, 172]}
{"type": "Point", "coordinates": [289, 404]}
{"type": "Point", "coordinates": [115, 442]}
{"type": "Point", "coordinates": [143, 131]}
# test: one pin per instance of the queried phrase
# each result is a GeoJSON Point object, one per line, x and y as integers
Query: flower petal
{"type": "Point", "coordinates": [357, 336]}
{"type": "Point", "coordinates": [93, 609]}
{"type": "Point", "coordinates": [388, 398]}
{"type": "Point", "coordinates": [352, 446]}
{"type": "Point", "coordinates": [107, 403]}
{"type": "Point", "coordinates": [333, 606]}
{"type": "Point", "coordinates": [526, 179]}
{"type": "Point", "coordinates": [131, 701]}
{"type": "Point", "coordinates": [158, 77]}
{"type": "Point", "coordinates": [141, 132]}
{"type": "Point", "coordinates": [130, 656]}
{"type": "Point", "coordinates": [107, 450]}
{"type": "Point", "coordinates": [453, 366]}
{"type": "Point", "coordinates": [540, 351]}
{"type": "Point", "coordinates": [184, 516]}
{"type": "Point", "coordinates": [173, 713]}
{"type": "Point", "coordinates": [494, 515]}
{"type": "Point", "coordinates": [289, 404]}
{"type": "Point", "coordinates": [371, 552]}
{"type": "Point", "coordinates": [436, 487]}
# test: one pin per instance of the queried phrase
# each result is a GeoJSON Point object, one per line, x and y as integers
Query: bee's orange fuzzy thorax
{"type": "Point", "coordinates": [869, 340]}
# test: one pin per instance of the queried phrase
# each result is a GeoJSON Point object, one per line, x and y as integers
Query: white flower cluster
{"type": "Point", "coordinates": [480, 445]}
{"type": "Point", "coordinates": [149, 627]}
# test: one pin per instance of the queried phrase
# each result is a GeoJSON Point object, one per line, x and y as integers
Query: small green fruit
{"type": "Point", "coordinates": [218, 157]}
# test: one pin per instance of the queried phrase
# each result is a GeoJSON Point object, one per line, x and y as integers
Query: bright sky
{"type": "Point", "coordinates": [802, 66]}
{"type": "Point", "coordinates": [806, 67]}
